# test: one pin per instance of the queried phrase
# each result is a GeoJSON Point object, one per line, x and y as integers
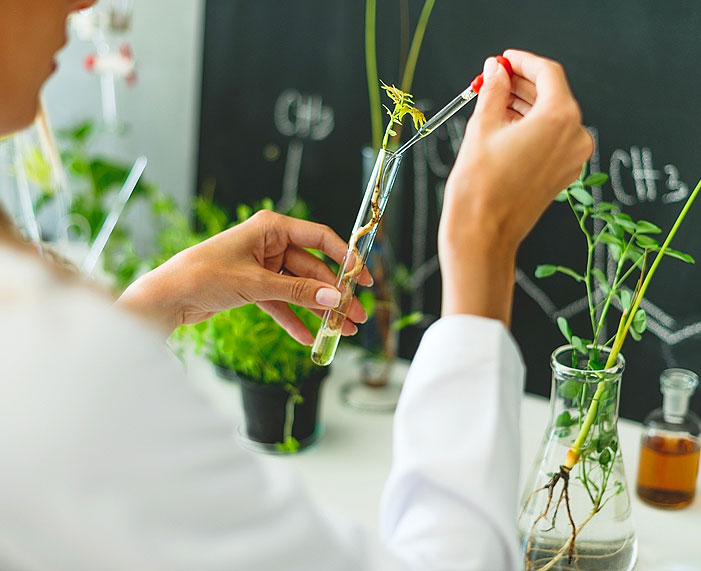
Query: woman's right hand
{"type": "Point", "coordinates": [524, 143]}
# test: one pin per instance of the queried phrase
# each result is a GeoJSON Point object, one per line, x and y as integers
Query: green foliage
{"type": "Point", "coordinates": [629, 243]}
{"type": "Point", "coordinates": [248, 341]}
{"type": "Point", "coordinates": [403, 105]}
{"type": "Point", "coordinates": [413, 318]}
{"type": "Point", "coordinates": [94, 181]}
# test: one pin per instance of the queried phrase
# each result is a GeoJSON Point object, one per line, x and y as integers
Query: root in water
{"type": "Point", "coordinates": [562, 475]}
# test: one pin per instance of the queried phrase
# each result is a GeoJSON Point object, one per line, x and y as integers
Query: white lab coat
{"type": "Point", "coordinates": [111, 460]}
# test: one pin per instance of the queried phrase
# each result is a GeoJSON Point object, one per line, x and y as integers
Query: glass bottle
{"type": "Point", "coordinates": [591, 498]}
{"type": "Point", "coordinates": [371, 209]}
{"type": "Point", "coordinates": [669, 454]}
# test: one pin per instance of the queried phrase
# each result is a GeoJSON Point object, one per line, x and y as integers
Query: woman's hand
{"type": "Point", "coordinates": [262, 261]}
{"type": "Point", "coordinates": [524, 143]}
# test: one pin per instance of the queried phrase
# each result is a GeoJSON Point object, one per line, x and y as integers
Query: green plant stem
{"type": "Point", "coordinates": [371, 70]}
{"type": "Point", "coordinates": [617, 282]}
{"type": "Point", "coordinates": [618, 343]}
{"type": "Point", "coordinates": [413, 57]}
{"type": "Point", "coordinates": [289, 415]}
{"type": "Point", "coordinates": [403, 35]}
{"type": "Point", "coordinates": [590, 260]}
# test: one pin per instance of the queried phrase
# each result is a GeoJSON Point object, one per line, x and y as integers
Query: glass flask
{"type": "Point", "coordinates": [590, 502]}
{"type": "Point", "coordinates": [669, 453]}
{"type": "Point", "coordinates": [371, 209]}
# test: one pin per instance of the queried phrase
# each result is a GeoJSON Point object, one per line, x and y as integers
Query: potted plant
{"type": "Point", "coordinates": [280, 386]}
{"type": "Point", "coordinates": [575, 510]}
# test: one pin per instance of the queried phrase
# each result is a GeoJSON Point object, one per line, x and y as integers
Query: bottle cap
{"type": "Point", "coordinates": [677, 386]}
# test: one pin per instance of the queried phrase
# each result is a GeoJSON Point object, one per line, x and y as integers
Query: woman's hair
{"type": "Point", "coordinates": [7, 229]}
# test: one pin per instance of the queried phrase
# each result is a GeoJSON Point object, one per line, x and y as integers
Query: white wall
{"type": "Point", "coordinates": [162, 109]}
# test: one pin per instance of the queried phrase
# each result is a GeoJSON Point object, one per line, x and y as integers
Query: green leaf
{"type": "Point", "coordinates": [595, 179]}
{"type": "Point", "coordinates": [267, 204]}
{"type": "Point", "coordinates": [625, 297]}
{"type": "Point", "coordinates": [625, 222]}
{"type": "Point", "coordinates": [604, 441]}
{"type": "Point", "coordinates": [647, 243]}
{"type": "Point", "coordinates": [680, 256]}
{"type": "Point", "coordinates": [570, 389]}
{"type": "Point", "coordinates": [595, 362]}
{"type": "Point", "coordinates": [579, 344]}
{"type": "Point", "coordinates": [603, 281]}
{"type": "Point", "coordinates": [609, 239]}
{"type": "Point", "coordinates": [367, 302]}
{"type": "Point", "coordinates": [605, 216]}
{"type": "Point", "coordinates": [243, 212]}
{"type": "Point", "coordinates": [616, 230]}
{"type": "Point", "coordinates": [645, 227]}
{"type": "Point", "coordinates": [582, 196]}
{"type": "Point", "coordinates": [606, 206]}
{"type": "Point", "coordinates": [565, 328]}
{"type": "Point", "coordinates": [634, 253]}
{"type": "Point", "coordinates": [564, 419]}
{"type": "Point", "coordinates": [570, 272]}
{"type": "Point", "coordinates": [605, 457]}
{"type": "Point", "coordinates": [413, 318]}
{"type": "Point", "coordinates": [561, 196]}
{"type": "Point", "coordinates": [639, 323]}
{"type": "Point", "coordinates": [545, 270]}
{"type": "Point", "coordinates": [634, 334]}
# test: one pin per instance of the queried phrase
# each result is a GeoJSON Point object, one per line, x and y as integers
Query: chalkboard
{"type": "Point", "coordinates": [285, 113]}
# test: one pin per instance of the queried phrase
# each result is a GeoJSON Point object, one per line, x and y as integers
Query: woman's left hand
{"type": "Point", "coordinates": [262, 260]}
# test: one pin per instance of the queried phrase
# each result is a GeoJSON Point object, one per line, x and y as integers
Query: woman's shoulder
{"type": "Point", "coordinates": [60, 335]}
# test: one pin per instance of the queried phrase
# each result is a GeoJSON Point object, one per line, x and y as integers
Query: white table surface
{"type": "Point", "coordinates": [347, 468]}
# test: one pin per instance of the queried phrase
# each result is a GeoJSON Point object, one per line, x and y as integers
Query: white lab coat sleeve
{"type": "Point", "coordinates": [451, 498]}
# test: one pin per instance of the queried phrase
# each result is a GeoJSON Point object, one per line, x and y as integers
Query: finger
{"type": "Point", "coordinates": [303, 264]}
{"type": "Point", "coordinates": [307, 234]}
{"type": "Point", "coordinates": [356, 313]}
{"type": "Point", "coordinates": [547, 75]}
{"type": "Point", "coordinates": [299, 261]}
{"type": "Point", "coordinates": [306, 292]}
{"type": "Point", "coordinates": [524, 88]}
{"type": "Point", "coordinates": [494, 94]}
{"type": "Point", "coordinates": [519, 105]}
{"type": "Point", "coordinates": [513, 116]}
{"type": "Point", "coordinates": [288, 320]}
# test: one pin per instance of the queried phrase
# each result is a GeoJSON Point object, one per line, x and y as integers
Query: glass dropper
{"type": "Point", "coordinates": [452, 108]}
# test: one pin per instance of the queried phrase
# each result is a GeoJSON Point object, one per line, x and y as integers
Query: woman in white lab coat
{"type": "Point", "coordinates": [111, 461]}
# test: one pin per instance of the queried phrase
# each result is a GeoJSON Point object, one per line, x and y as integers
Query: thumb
{"type": "Point", "coordinates": [494, 95]}
{"type": "Point", "coordinates": [306, 292]}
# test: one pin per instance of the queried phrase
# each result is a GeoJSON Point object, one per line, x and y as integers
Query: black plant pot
{"type": "Point", "coordinates": [265, 409]}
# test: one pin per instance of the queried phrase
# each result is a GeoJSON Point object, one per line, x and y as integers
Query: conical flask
{"type": "Point", "coordinates": [581, 518]}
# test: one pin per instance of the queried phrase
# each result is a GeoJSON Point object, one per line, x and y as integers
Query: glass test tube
{"type": "Point", "coordinates": [378, 189]}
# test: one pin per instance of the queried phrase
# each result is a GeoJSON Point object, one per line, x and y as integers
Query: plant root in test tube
{"type": "Point", "coordinates": [364, 231]}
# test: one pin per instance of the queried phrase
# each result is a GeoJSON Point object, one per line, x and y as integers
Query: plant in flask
{"type": "Point", "coordinates": [369, 215]}
{"type": "Point", "coordinates": [575, 512]}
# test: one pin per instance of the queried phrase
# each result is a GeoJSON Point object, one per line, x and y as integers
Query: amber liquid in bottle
{"type": "Point", "coordinates": [669, 452]}
{"type": "Point", "coordinates": [667, 471]}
